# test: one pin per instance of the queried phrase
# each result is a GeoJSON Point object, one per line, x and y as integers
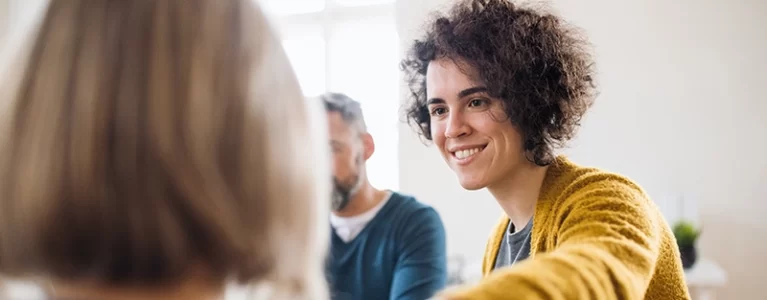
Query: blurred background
{"type": "Point", "coordinates": [681, 110]}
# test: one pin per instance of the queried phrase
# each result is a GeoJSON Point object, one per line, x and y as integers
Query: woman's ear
{"type": "Point", "coordinates": [368, 145]}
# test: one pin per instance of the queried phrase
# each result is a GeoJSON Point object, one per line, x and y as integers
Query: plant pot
{"type": "Point", "coordinates": [689, 256]}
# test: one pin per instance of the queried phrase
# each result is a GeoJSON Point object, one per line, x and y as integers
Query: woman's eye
{"type": "Point", "coordinates": [476, 102]}
{"type": "Point", "coordinates": [438, 111]}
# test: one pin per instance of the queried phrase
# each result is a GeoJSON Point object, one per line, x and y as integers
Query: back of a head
{"type": "Point", "coordinates": [147, 139]}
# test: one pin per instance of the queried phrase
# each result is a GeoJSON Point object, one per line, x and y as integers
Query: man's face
{"type": "Point", "coordinates": [470, 128]}
{"type": "Point", "coordinates": [348, 160]}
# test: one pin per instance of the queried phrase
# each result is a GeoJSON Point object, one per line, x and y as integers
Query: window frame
{"type": "Point", "coordinates": [325, 23]}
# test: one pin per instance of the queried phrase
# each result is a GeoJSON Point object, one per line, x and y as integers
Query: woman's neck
{"type": "Point", "coordinates": [518, 192]}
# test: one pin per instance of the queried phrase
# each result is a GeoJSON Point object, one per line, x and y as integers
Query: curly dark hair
{"type": "Point", "coordinates": [539, 66]}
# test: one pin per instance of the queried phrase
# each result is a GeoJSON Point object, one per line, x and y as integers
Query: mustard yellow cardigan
{"type": "Point", "coordinates": [596, 235]}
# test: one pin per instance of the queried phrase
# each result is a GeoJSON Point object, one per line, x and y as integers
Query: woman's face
{"type": "Point", "coordinates": [470, 128]}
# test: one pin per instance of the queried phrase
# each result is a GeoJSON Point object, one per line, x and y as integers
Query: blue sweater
{"type": "Point", "coordinates": [400, 255]}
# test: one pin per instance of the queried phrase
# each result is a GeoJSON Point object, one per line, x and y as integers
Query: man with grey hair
{"type": "Point", "coordinates": [384, 245]}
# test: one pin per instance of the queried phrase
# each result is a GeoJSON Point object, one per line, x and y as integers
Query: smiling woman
{"type": "Point", "coordinates": [543, 72]}
{"type": "Point", "coordinates": [464, 123]}
{"type": "Point", "coordinates": [499, 89]}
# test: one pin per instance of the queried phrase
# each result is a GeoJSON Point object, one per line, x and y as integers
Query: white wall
{"type": "Point", "coordinates": [683, 87]}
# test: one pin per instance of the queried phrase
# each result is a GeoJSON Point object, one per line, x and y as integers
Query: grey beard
{"type": "Point", "coordinates": [339, 199]}
{"type": "Point", "coordinates": [343, 193]}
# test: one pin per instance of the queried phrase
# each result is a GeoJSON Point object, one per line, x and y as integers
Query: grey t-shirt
{"type": "Point", "coordinates": [515, 246]}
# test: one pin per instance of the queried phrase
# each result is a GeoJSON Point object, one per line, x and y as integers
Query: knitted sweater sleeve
{"type": "Point", "coordinates": [607, 244]}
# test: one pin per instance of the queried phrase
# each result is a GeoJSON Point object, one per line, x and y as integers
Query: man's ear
{"type": "Point", "coordinates": [368, 145]}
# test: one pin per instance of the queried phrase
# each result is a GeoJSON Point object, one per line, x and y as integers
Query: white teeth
{"type": "Point", "coordinates": [461, 154]}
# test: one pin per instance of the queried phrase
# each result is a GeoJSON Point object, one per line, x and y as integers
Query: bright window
{"type": "Point", "coordinates": [292, 7]}
{"type": "Point", "coordinates": [308, 65]}
{"type": "Point", "coordinates": [348, 46]}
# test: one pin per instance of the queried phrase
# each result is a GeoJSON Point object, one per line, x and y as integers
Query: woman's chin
{"type": "Point", "coordinates": [471, 184]}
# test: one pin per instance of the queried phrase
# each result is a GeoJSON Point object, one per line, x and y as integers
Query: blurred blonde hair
{"type": "Point", "coordinates": [141, 139]}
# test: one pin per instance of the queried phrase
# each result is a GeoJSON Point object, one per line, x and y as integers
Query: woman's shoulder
{"type": "Point", "coordinates": [568, 181]}
{"type": "Point", "coordinates": [588, 195]}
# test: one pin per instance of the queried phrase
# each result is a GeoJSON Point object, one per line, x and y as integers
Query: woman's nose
{"type": "Point", "coordinates": [456, 126]}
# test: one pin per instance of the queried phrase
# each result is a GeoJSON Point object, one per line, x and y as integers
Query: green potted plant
{"type": "Point", "coordinates": [686, 234]}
